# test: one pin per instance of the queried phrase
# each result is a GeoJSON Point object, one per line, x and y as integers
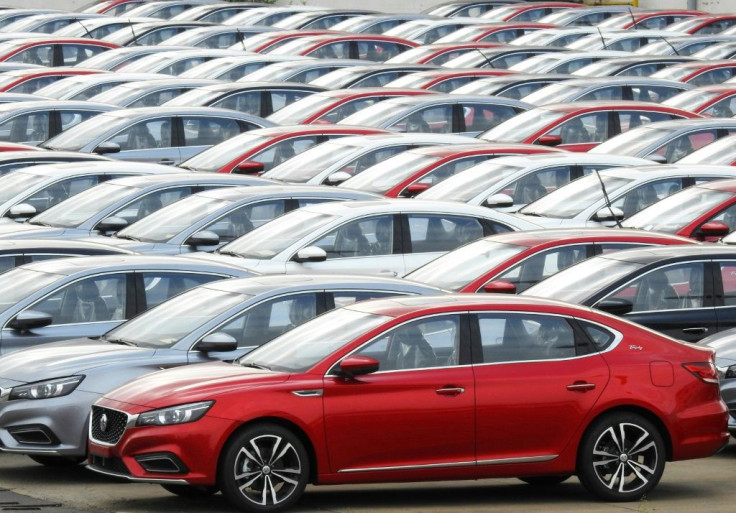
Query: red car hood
{"type": "Point", "coordinates": [191, 384]}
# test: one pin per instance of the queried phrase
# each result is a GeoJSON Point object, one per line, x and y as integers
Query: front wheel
{"type": "Point", "coordinates": [621, 457]}
{"type": "Point", "coordinates": [264, 469]}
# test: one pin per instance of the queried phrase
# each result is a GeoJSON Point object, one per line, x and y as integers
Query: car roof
{"type": "Point", "coordinates": [533, 238]}
{"type": "Point", "coordinates": [719, 185]}
{"type": "Point", "coordinates": [239, 193]}
{"type": "Point", "coordinates": [667, 170]}
{"type": "Point", "coordinates": [572, 157]}
{"type": "Point", "coordinates": [413, 137]}
{"type": "Point", "coordinates": [295, 130]}
{"type": "Point", "coordinates": [59, 244]}
{"type": "Point", "coordinates": [450, 150]}
{"type": "Point", "coordinates": [607, 104]}
{"type": "Point", "coordinates": [92, 166]}
{"type": "Point", "coordinates": [190, 177]}
{"type": "Point", "coordinates": [652, 255]}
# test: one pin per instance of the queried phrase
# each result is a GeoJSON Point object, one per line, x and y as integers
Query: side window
{"type": "Point", "coordinates": [627, 45]}
{"type": "Point", "coordinates": [339, 50]}
{"type": "Point", "coordinates": [308, 75]}
{"type": "Point", "coordinates": [501, 36]}
{"type": "Point", "coordinates": [378, 51]}
{"type": "Point", "coordinates": [8, 262]}
{"type": "Point", "coordinates": [632, 119]}
{"type": "Point", "coordinates": [645, 195]}
{"type": "Point", "coordinates": [157, 36]}
{"type": "Point", "coordinates": [34, 84]}
{"type": "Point", "coordinates": [445, 171]}
{"type": "Point", "coordinates": [179, 67]}
{"type": "Point", "coordinates": [604, 93]}
{"type": "Point", "coordinates": [371, 159]}
{"type": "Point", "coordinates": [641, 70]}
{"type": "Point", "coordinates": [378, 79]}
{"type": "Point", "coordinates": [656, 94]}
{"type": "Point", "coordinates": [41, 55]}
{"type": "Point", "coordinates": [248, 102]}
{"type": "Point", "coordinates": [713, 76]}
{"type": "Point", "coordinates": [145, 135]}
{"type": "Point", "coordinates": [346, 298]}
{"type": "Point", "coordinates": [162, 285]}
{"type": "Point", "coordinates": [157, 98]}
{"type": "Point", "coordinates": [219, 41]}
{"type": "Point", "coordinates": [71, 118]}
{"type": "Point", "coordinates": [74, 54]}
{"type": "Point", "coordinates": [280, 99]}
{"type": "Point", "coordinates": [672, 288]}
{"type": "Point", "coordinates": [728, 217]}
{"type": "Point", "coordinates": [610, 247]}
{"type": "Point", "coordinates": [532, 15]}
{"type": "Point", "coordinates": [725, 108]}
{"type": "Point", "coordinates": [684, 145]}
{"type": "Point", "coordinates": [93, 91]}
{"type": "Point", "coordinates": [433, 233]}
{"type": "Point", "coordinates": [241, 221]}
{"type": "Point", "coordinates": [349, 108]}
{"type": "Point", "coordinates": [420, 344]}
{"type": "Point", "coordinates": [283, 150]}
{"type": "Point", "coordinates": [432, 119]}
{"type": "Point", "coordinates": [363, 237]}
{"type": "Point", "coordinates": [43, 256]}
{"type": "Point", "coordinates": [542, 265]}
{"type": "Point", "coordinates": [506, 61]}
{"type": "Point", "coordinates": [451, 84]}
{"type": "Point", "coordinates": [60, 191]}
{"type": "Point", "coordinates": [583, 129]}
{"type": "Point", "coordinates": [269, 319]}
{"type": "Point", "coordinates": [537, 184]}
{"type": "Point", "coordinates": [479, 118]}
{"type": "Point", "coordinates": [201, 131]}
{"type": "Point", "coordinates": [26, 127]}
{"type": "Point", "coordinates": [728, 279]}
{"type": "Point", "coordinates": [97, 299]}
{"type": "Point", "coordinates": [525, 337]}
{"type": "Point", "coordinates": [151, 203]}
{"type": "Point", "coordinates": [599, 336]}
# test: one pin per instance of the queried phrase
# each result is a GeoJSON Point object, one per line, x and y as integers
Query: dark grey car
{"type": "Point", "coordinates": [217, 321]}
{"type": "Point", "coordinates": [724, 344]}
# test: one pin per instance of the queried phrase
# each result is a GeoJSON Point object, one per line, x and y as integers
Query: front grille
{"type": "Point", "coordinates": [115, 465]}
{"type": "Point", "coordinates": [112, 421]}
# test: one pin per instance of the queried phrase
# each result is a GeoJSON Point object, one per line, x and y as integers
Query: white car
{"type": "Point", "coordinates": [583, 202]}
{"type": "Point", "coordinates": [387, 237]}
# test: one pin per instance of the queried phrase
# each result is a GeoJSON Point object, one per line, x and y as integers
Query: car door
{"type": "Point", "coordinates": [530, 368]}
{"type": "Point", "coordinates": [674, 299]}
{"type": "Point", "coordinates": [149, 140]}
{"type": "Point", "coordinates": [416, 411]}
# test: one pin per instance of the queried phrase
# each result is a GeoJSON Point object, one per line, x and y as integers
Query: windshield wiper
{"type": "Point", "coordinates": [38, 223]}
{"type": "Point", "coordinates": [127, 237]}
{"type": "Point", "coordinates": [254, 365]}
{"type": "Point", "coordinates": [533, 214]}
{"type": "Point", "coordinates": [120, 341]}
{"type": "Point", "coordinates": [230, 253]}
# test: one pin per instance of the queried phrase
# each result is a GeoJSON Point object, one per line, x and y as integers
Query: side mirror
{"type": "Point", "coordinates": [659, 159]}
{"type": "Point", "coordinates": [249, 167]}
{"type": "Point", "coordinates": [338, 178]}
{"type": "Point", "coordinates": [550, 140]}
{"type": "Point", "coordinates": [203, 238]}
{"type": "Point", "coordinates": [351, 366]}
{"type": "Point", "coordinates": [714, 229]}
{"type": "Point", "coordinates": [217, 342]}
{"type": "Point", "coordinates": [21, 211]}
{"type": "Point", "coordinates": [111, 224]}
{"type": "Point", "coordinates": [608, 214]}
{"type": "Point", "coordinates": [310, 254]}
{"type": "Point", "coordinates": [499, 201]}
{"type": "Point", "coordinates": [30, 319]}
{"type": "Point", "coordinates": [107, 147]}
{"type": "Point", "coordinates": [616, 306]}
{"type": "Point", "coordinates": [499, 287]}
{"type": "Point", "coordinates": [415, 188]}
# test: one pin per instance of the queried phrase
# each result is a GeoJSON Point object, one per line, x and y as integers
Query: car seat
{"type": "Point", "coordinates": [408, 349]}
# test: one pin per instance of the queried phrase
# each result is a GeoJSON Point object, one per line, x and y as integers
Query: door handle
{"type": "Point", "coordinates": [581, 386]}
{"type": "Point", "coordinates": [166, 162]}
{"type": "Point", "coordinates": [450, 390]}
{"type": "Point", "coordinates": [388, 272]}
{"type": "Point", "coordinates": [695, 331]}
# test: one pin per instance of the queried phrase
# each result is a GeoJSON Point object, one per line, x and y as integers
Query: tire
{"type": "Point", "coordinates": [56, 461]}
{"type": "Point", "coordinates": [545, 480]}
{"type": "Point", "coordinates": [621, 457]}
{"type": "Point", "coordinates": [272, 461]}
{"type": "Point", "coordinates": [190, 492]}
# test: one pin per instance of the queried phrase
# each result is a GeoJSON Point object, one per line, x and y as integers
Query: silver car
{"type": "Point", "coordinates": [235, 68]}
{"type": "Point", "coordinates": [150, 93]}
{"type": "Point", "coordinates": [299, 70]}
{"type": "Point", "coordinates": [176, 62]}
{"type": "Point", "coordinates": [84, 87]}
{"type": "Point", "coordinates": [724, 344]}
{"type": "Point", "coordinates": [167, 135]}
{"type": "Point", "coordinates": [118, 57]}
{"type": "Point", "coordinates": [14, 160]}
{"type": "Point", "coordinates": [219, 36]}
{"type": "Point", "coordinates": [387, 237]}
{"type": "Point", "coordinates": [217, 321]}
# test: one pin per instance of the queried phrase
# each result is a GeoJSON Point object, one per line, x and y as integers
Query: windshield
{"type": "Point", "coordinates": [581, 281]}
{"type": "Point", "coordinates": [294, 47]}
{"type": "Point", "coordinates": [414, 55]}
{"type": "Point", "coordinates": [70, 214]}
{"type": "Point", "coordinates": [592, 42]}
{"type": "Point", "coordinates": [471, 60]}
{"type": "Point", "coordinates": [536, 38]}
{"type": "Point", "coordinates": [690, 100]}
{"type": "Point", "coordinates": [213, 159]}
{"type": "Point", "coordinates": [412, 80]}
{"type": "Point", "coordinates": [195, 97]}
{"type": "Point", "coordinates": [274, 72]}
{"type": "Point", "coordinates": [673, 72]}
{"type": "Point", "coordinates": [721, 152]}
{"type": "Point", "coordinates": [272, 238]}
{"type": "Point", "coordinates": [677, 211]}
{"type": "Point", "coordinates": [300, 110]}
{"type": "Point", "coordinates": [336, 79]}
{"type": "Point", "coordinates": [122, 94]}
{"type": "Point", "coordinates": [456, 269]}
{"type": "Point", "coordinates": [387, 174]}
{"type": "Point", "coordinates": [715, 52]}
{"type": "Point", "coordinates": [465, 186]}
{"type": "Point", "coordinates": [632, 142]}
{"type": "Point", "coordinates": [522, 126]}
{"type": "Point", "coordinates": [620, 21]}
{"type": "Point", "coordinates": [685, 25]}
{"type": "Point", "coordinates": [571, 199]}
{"type": "Point", "coordinates": [537, 63]}
{"type": "Point", "coordinates": [78, 136]}
{"type": "Point", "coordinates": [376, 114]}
{"type": "Point", "coordinates": [17, 182]}
{"type": "Point", "coordinates": [62, 89]}
{"type": "Point", "coordinates": [554, 93]}
{"type": "Point", "coordinates": [311, 162]}
{"type": "Point", "coordinates": [19, 283]}
{"type": "Point", "coordinates": [308, 344]}
{"type": "Point", "coordinates": [173, 219]}
{"type": "Point", "coordinates": [165, 325]}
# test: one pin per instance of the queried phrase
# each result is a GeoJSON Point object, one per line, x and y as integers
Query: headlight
{"type": "Point", "coordinates": [174, 415]}
{"type": "Point", "coordinates": [46, 389]}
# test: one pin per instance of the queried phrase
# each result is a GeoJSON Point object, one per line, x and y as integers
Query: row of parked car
{"type": "Point", "coordinates": [503, 226]}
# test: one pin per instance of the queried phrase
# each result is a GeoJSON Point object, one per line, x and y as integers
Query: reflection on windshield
{"type": "Point", "coordinates": [568, 201]}
{"type": "Point", "coordinates": [465, 186]}
{"type": "Point", "coordinates": [85, 205]}
{"type": "Point", "coordinates": [17, 182]}
{"type": "Point", "coordinates": [311, 162]}
{"type": "Point", "coordinates": [213, 159]}
{"type": "Point", "coordinates": [385, 175]}
{"type": "Point", "coordinates": [19, 283]}
{"type": "Point", "coordinates": [521, 126]}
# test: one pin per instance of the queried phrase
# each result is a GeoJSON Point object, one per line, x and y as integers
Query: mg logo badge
{"type": "Point", "coordinates": [103, 423]}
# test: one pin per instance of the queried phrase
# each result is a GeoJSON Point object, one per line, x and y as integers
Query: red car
{"type": "Point", "coordinates": [699, 73]}
{"type": "Point", "coordinates": [421, 389]}
{"type": "Point", "coordinates": [704, 212]}
{"type": "Point", "coordinates": [440, 53]}
{"type": "Point", "coordinates": [31, 80]}
{"type": "Point", "coordinates": [493, 32]}
{"type": "Point", "coordinates": [513, 262]}
{"type": "Point", "coordinates": [704, 24]}
{"type": "Point", "coordinates": [445, 80]}
{"type": "Point", "coordinates": [333, 106]}
{"type": "Point", "coordinates": [267, 41]}
{"type": "Point", "coordinates": [648, 20]}
{"type": "Point", "coordinates": [9, 146]}
{"type": "Point", "coordinates": [261, 150]}
{"type": "Point", "coordinates": [45, 51]}
{"type": "Point", "coordinates": [368, 47]}
{"type": "Point", "coordinates": [412, 172]}
{"type": "Point", "coordinates": [718, 101]}
{"type": "Point", "coordinates": [531, 11]}
{"type": "Point", "coordinates": [580, 126]}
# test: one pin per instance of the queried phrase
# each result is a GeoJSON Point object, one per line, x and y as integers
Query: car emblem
{"type": "Point", "coordinates": [103, 423]}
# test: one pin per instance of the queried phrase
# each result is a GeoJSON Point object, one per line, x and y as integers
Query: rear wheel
{"type": "Point", "coordinates": [190, 491]}
{"type": "Point", "coordinates": [545, 480]}
{"type": "Point", "coordinates": [56, 461]}
{"type": "Point", "coordinates": [264, 469]}
{"type": "Point", "coordinates": [621, 457]}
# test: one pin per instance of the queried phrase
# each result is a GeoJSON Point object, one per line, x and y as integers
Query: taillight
{"type": "Point", "coordinates": [706, 371]}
